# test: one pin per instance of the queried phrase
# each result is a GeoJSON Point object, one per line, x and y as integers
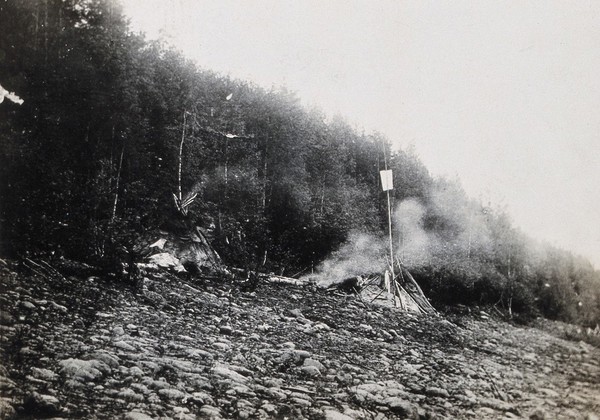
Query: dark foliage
{"type": "Point", "coordinates": [89, 164]}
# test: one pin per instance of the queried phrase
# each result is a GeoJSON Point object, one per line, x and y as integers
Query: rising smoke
{"type": "Point", "coordinates": [361, 254]}
{"type": "Point", "coordinates": [445, 229]}
{"type": "Point", "coordinates": [458, 228]}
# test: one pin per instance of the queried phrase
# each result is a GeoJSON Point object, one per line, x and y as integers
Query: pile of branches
{"type": "Point", "coordinates": [401, 291]}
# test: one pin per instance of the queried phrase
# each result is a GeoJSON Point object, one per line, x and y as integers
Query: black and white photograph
{"type": "Point", "coordinates": [300, 209]}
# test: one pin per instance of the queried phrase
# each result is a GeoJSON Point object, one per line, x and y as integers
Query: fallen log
{"type": "Point", "coordinates": [272, 278]}
{"type": "Point", "coordinates": [43, 269]}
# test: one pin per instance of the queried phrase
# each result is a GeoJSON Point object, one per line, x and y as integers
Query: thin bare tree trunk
{"type": "Point", "coordinates": [180, 157]}
{"type": "Point", "coordinates": [114, 211]}
{"type": "Point", "coordinates": [46, 31]}
{"type": "Point", "coordinates": [36, 16]}
{"type": "Point", "coordinates": [322, 198]}
{"type": "Point", "coordinates": [470, 237]}
{"type": "Point", "coordinates": [226, 163]}
{"type": "Point", "coordinates": [264, 175]}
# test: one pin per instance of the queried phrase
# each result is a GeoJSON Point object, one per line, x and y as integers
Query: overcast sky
{"type": "Point", "coordinates": [503, 95]}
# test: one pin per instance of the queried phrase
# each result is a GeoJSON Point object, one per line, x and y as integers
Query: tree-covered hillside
{"type": "Point", "coordinates": [113, 127]}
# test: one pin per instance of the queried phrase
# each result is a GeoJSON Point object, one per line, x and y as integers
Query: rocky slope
{"type": "Point", "coordinates": [187, 348]}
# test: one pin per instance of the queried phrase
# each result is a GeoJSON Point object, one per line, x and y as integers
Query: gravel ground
{"type": "Point", "coordinates": [182, 348]}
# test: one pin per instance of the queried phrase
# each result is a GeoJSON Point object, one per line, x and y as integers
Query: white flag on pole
{"type": "Point", "coordinates": [387, 180]}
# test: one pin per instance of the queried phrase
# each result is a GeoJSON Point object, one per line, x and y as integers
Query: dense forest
{"type": "Point", "coordinates": [113, 127]}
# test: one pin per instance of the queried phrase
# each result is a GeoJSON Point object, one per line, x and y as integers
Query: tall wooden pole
{"type": "Point", "coordinates": [390, 234]}
{"type": "Point", "coordinates": [389, 208]}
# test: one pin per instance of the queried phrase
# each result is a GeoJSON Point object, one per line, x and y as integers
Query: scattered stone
{"type": "Point", "coordinates": [208, 411]}
{"type": "Point", "coordinates": [269, 408]}
{"type": "Point", "coordinates": [166, 260]}
{"type": "Point", "coordinates": [117, 331]}
{"type": "Point", "coordinates": [182, 413]}
{"type": "Point", "coordinates": [315, 363]}
{"type": "Point", "coordinates": [6, 384]}
{"type": "Point", "coordinates": [222, 346]}
{"type": "Point", "coordinates": [225, 372]}
{"type": "Point", "coordinates": [539, 414]}
{"type": "Point", "coordinates": [295, 357]}
{"type": "Point", "coordinates": [6, 408]}
{"type": "Point", "coordinates": [300, 402]}
{"type": "Point", "coordinates": [44, 374]}
{"type": "Point", "coordinates": [83, 370]}
{"type": "Point", "coordinates": [136, 415]}
{"type": "Point", "coordinates": [400, 407]}
{"type": "Point", "coordinates": [6, 318]}
{"type": "Point", "coordinates": [171, 394]}
{"type": "Point", "coordinates": [136, 372]}
{"type": "Point", "coordinates": [129, 394]}
{"type": "Point", "coordinates": [124, 346]}
{"type": "Point", "coordinates": [415, 353]}
{"type": "Point", "coordinates": [310, 371]}
{"type": "Point", "coordinates": [335, 415]}
{"type": "Point", "coordinates": [226, 329]}
{"type": "Point", "coordinates": [111, 360]}
{"type": "Point", "coordinates": [496, 404]}
{"type": "Point", "coordinates": [437, 392]}
{"type": "Point", "coordinates": [198, 353]}
{"type": "Point", "coordinates": [201, 398]}
{"type": "Point", "coordinates": [41, 405]}
{"type": "Point", "coordinates": [296, 313]}
{"type": "Point", "coordinates": [59, 308]}
{"type": "Point", "coordinates": [549, 392]}
{"type": "Point", "coordinates": [366, 328]}
{"type": "Point", "coordinates": [27, 305]}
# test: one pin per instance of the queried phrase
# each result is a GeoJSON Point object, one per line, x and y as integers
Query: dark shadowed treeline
{"type": "Point", "coordinates": [90, 164]}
